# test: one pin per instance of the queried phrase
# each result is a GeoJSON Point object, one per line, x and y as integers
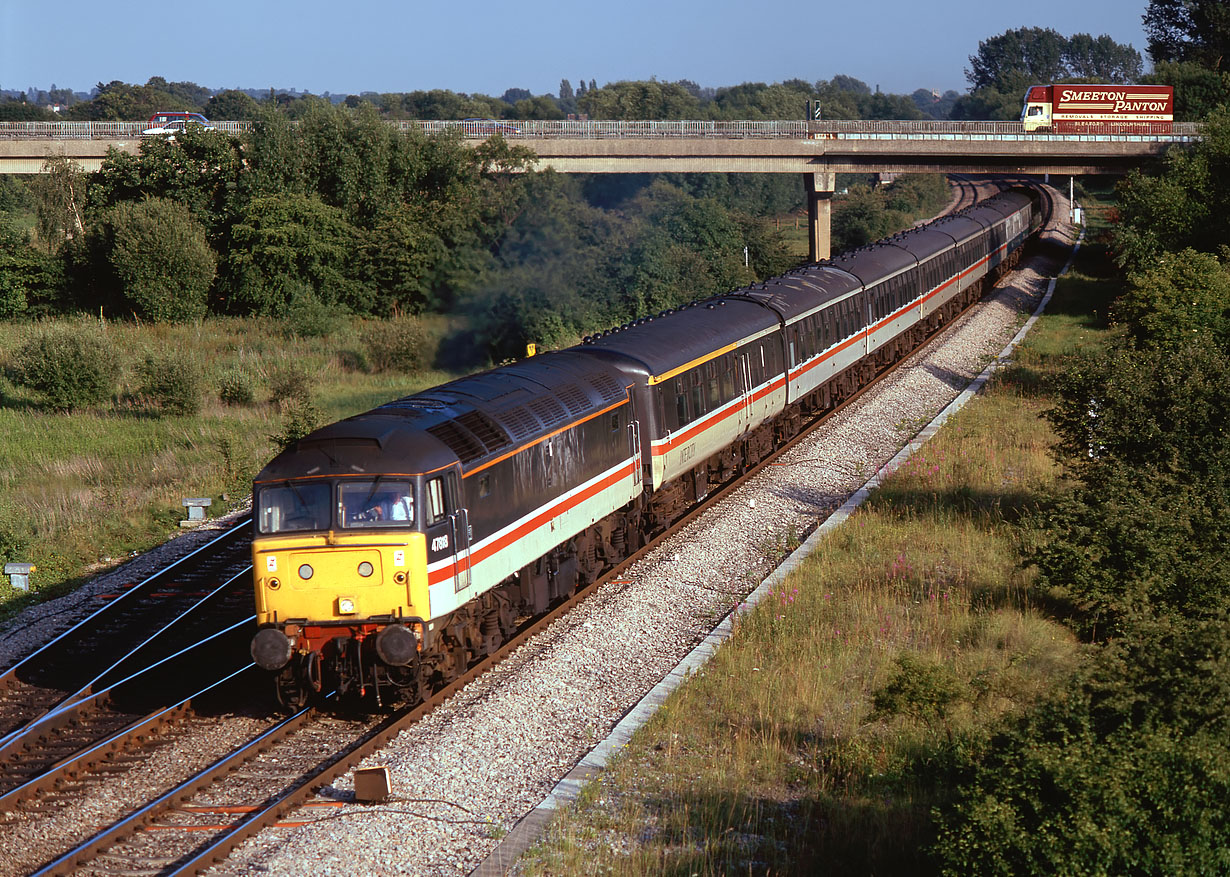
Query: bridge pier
{"type": "Point", "coordinates": [819, 187]}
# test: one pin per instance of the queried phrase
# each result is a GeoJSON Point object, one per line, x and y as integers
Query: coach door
{"type": "Point", "coordinates": [634, 446]}
{"type": "Point", "coordinates": [448, 530]}
{"type": "Point", "coordinates": [743, 368]}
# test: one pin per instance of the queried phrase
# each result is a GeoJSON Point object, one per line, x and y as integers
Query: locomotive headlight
{"type": "Point", "coordinates": [345, 606]}
{"type": "Point", "coordinates": [365, 569]}
{"type": "Point", "coordinates": [305, 571]}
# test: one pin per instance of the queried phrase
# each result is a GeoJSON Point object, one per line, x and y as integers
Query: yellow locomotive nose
{"type": "Point", "coordinates": [311, 577]}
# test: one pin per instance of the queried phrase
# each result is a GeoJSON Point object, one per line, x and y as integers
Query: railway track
{"type": "Point", "coordinates": [207, 823]}
{"type": "Point", "coordinates": [90, 698]}
{"type": "Point", "coordinates": [99, 648]}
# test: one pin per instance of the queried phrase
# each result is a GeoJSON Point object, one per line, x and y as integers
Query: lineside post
{"type": "Point", "coordinates": [820, 187]}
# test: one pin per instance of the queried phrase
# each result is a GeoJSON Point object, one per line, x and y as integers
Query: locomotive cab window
{"type": "Point", "coordinates": [376, 503]}
{"type": "Point", "coordinates": [293, 507]}
{"type": "Point", "coordinates": [436, 508]}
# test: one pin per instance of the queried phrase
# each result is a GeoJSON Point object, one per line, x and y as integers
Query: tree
{"type": "Point", "coordinates": [567, 97]}
{"type": "Point", "coordinates": [120, 101]}
{"type": "Point", "coordinates": [544, 107]}
{"type": "Point", "coordinates": [1177, 299]}
{"type": "Point", "coordinates": [198, 168]}
{"type": "Point", "coordinates": [639, 100]}
{"type": "Point", "coordinates": [59, 194]}
{"type": "Point", "coordinates": [71, 367]}
{"type": "Point", "coordinates": [281, 242]}
{"type": "Point", "coordinates": [29, 280]}
{"type": "Point", "coordinates": [1009, 63]}
{"type": "Point", "coordinates": [232, 106]}
{"type": "Point", "coordinates": [755, 100]}
{"type": "Point", "coordinates": [1101, 59]}
{"type": "Point", "coordinates": [1185, 205]}
{"type": "Point", "coordinates": [1146, 433]}
{"type": "Point", "coordinates": [20, 111]}
{"type": "Point", "coordinates": [1189, 30]}
{"type": "Point", "coordinates": [842, 82]}
{"type": "Point", "coordinates": [275, 160]}
{"type": "Point", "coordinates": [1122, 771]}
{"type": "Point", "coordinates": [1018, 57]}
{"type": "Point", "coordinates": [162, 260]}
{"type": "Point", "coordinates": [1197, 90]}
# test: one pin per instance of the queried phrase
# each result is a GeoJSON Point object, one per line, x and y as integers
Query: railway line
{"type": "Point", "coordinates": [208, 817]}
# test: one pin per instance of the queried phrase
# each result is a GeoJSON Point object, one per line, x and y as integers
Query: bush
{"type": "Point", "coordinates": [307, 316]}
{"type": "Point", "coordinates": [1124, 772]}
{"type": "Point", "coordinates": [161, 258]}
{"type": "Point", "coordinates": [236, 388]}
{"type": "Point", "coordinates": [400, 344]}
{"type": "Point", "coordinates": [920, 689]}
{"type": "Point", "coordinates": [69, 366]}
{"type": "Point", "coordinates": [171, 384]}
{"type": "Point", "coordinates": [12, 297]}
{"type": "Point", "coordinates": [289, 386]}
{"type": "Point", "coordinates": [299, 417]}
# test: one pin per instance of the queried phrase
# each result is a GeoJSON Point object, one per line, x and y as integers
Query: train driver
{"type": "Point", "coordinates": [391, 505]}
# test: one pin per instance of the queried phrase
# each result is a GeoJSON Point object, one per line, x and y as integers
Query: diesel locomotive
{"type": "Point", "coordinates": [394, 548]}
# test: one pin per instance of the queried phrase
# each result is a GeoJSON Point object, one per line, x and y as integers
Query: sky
{"type": "Point", "coordinates": [478, 46]}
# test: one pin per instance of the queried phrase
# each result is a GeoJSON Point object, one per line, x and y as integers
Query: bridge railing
{"type": "Point", "coordinates": [595, 130]}
{"type": "Point", "coordinates": [93, 130]}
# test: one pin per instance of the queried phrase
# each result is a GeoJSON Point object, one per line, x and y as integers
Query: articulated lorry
{"type": "Point", "coordinates": [1098, 109]}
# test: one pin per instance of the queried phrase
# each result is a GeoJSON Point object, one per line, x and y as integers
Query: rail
{"type": "Point", "coordinates": [600, 130]}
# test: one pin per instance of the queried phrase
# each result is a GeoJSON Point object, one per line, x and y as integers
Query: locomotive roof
{"type": "Point", "coordinates": [663, 344]}
{"type": "Point", "coordinates": [472, 419]}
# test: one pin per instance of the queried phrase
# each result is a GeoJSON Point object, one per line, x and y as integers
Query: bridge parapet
{"type": "Point", "coordinates": [600, 130]}
{"type": "Point", "coordinates": [572, 146]}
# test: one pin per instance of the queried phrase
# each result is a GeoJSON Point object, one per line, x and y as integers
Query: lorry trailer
{"type": "Point", "coordinates": [1098, 109]}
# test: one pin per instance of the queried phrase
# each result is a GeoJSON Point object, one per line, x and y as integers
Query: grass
{"type": "Point", "coordinates": [80, 491]}
{"type": "Point", "coordinates": [821, 735]}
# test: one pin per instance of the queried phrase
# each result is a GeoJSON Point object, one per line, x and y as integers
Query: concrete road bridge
{"type": "Point", "coordinates": [816, 150]}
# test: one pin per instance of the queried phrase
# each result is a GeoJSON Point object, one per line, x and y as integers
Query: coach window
{"type": "Point", "coordinates": [681, 403]}
{"type": "Point", "coordinates": [729, 390]}
{"type": "Point", "coordinates": [715, 391]}
{"type": "Point", "coordinates": [698, 395]}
